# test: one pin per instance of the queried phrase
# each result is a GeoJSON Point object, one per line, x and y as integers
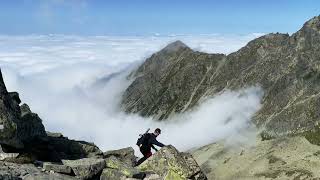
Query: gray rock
{"type": "Point", "coordinates": [86, 168]}
{"type": "Point", "coordinates": [54, 134]}
{"type": "Point", "coordinates": [25, 109]}
{"type": "Point", "coordinates": [108, 174]}
{"type": "Point", "coordinates": [122, 167]}
{"type": "Point", "coordinates": [59, 168]}
{"type": "Point", "coordinates": [31, 127]}
{"type": "Point", "coordinates": [72, 149]}
{"type": "Point", "coordinates": [124, 154]}
{"type": "Point", "coordinates": [17, 171]}
{"type": "Point", "coordinates": [169, 163]}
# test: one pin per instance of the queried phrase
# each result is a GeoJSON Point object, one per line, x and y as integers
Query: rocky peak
{"type": "Point", "coordinates": [170, 81]}
{"type": "Point", "coordinates": [162, 59]}
{"type": "Point", "coordinates": [175, 46]}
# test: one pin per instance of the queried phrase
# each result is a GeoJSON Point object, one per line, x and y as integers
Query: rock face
{"type": "Point", "coordinates": [17, 126]}
{"type": "Point", "coordinates": [286, 67]}
{"type": "Point", "coordinates": [282, 158]}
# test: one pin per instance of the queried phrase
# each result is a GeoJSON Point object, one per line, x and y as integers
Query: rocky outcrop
{"type": "Point", "coordinates": [169, 163]}
{"type": "Point", "coordinates": [17, 128]}
{"type": "Point", "coordinates": [166, 164]}
{"type": "Point", "coordinates": [72, 149]}
{"type": "Point", "coordinates": [286, 67]}
{"type": "Point", "coordinates": [125, 155]}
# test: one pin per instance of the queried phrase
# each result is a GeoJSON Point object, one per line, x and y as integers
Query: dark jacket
{"type": "Point", "coordinates": [152, 141]}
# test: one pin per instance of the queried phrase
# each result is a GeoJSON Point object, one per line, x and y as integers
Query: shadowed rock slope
{"type": "Point", "coordinates": [178, 78]}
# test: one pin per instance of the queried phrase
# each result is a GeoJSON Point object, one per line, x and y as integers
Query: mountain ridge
{"type": "Point", "coordinates": [285, 66]}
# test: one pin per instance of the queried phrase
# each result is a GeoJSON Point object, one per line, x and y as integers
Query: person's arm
{"type": "Point", "coordinates": [155, 142]}
{"type": "Point", "coordinates": [154, 148]}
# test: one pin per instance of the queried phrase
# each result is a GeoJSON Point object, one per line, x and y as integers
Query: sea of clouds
{"type": "Point", "coordinates": [57, 76]}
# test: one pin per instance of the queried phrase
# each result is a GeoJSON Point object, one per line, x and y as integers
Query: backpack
{"type": "Point", "coordinates": [143, 139]}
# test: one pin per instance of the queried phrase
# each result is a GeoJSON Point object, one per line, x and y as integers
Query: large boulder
{"type": "Point", "coordinates": [31, 127]}
{"type": "Point", "coordinates": [169, 163]}
{"type": "Point", "coordinates": [123, 168]}
{"type": "Point", "coordinates": [124, 154]}
{"type": "Point", "coordinates": [86, 168]}
{"type": "Point", "coordinates": [72, 149]}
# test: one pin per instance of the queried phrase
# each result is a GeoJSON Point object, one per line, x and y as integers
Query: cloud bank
{"type": "Point", "coordinates": [55, 76]}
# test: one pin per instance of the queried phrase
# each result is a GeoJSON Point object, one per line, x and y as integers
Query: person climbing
{"type": "Point", "coordinates": [146, 142]}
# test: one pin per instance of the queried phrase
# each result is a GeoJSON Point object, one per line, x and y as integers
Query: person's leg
{"type": "Point", "coordinates": [146, 154]}
{"type": "Point", "coordinates": [141, 160]}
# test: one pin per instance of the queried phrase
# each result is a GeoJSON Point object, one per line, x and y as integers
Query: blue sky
{"type": "Point", "coordinates": [141, 17]}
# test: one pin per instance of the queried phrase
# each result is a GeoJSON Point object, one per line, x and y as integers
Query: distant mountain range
{"type": "Point", "coordinates": [287, 67]}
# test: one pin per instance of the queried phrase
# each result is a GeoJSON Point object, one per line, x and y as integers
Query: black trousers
{"type": "Point", "coordinates": [146, 151]}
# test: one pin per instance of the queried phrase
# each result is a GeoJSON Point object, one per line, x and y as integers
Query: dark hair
{"type": "Point", "coordinates": [157, 130]}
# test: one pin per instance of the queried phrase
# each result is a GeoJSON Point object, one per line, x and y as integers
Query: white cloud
{"type": "Point", "coordinates": [54, 75]}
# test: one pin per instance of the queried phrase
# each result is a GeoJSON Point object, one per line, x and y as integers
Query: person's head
{"type": "Point", "coordinates": [157, 132]}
